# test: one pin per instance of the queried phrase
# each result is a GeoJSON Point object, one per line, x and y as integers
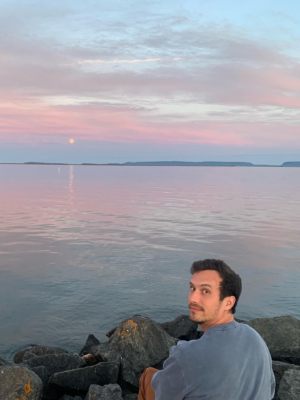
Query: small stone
{"type": "Point", "coordinates": [90, 359]}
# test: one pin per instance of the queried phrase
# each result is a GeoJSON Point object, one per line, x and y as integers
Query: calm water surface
{"type": "Point", "coordinates": [83, 247]}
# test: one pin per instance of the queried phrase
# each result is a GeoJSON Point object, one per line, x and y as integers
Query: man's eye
{"type": "Point", "coordinates": [192, 288]}
{"type": "Point", "coordinates": [206, 291]}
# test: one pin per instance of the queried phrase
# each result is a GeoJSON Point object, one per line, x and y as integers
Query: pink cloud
{"type": "Point", "coordinates": [28, 122]}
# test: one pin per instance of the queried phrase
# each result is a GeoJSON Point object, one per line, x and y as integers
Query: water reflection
{"type": "Point", "coordinates": [75, 262]}
{"type": "Point", "coordinates": [71, 178]}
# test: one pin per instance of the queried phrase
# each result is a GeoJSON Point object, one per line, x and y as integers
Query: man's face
{"type": "Point", "coordinates": [204, 298]}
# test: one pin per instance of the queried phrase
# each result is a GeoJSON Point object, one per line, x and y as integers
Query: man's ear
{"type": "Point", "coordinates": [229, 302]}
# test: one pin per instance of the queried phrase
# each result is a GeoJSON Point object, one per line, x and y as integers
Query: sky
{"type": "Point", "coordinates": [193, 80]}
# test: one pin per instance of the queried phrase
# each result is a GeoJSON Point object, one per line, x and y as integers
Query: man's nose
{"type": "Point", "coordinates": [194, 297]}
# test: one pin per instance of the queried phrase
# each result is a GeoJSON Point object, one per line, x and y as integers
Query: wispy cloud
{"type": "Point", "coordinates": [222, 65]}
{"type": "Point", "coordinates": [123, 61]}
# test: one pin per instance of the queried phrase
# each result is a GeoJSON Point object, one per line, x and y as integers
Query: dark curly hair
{"type": "Point", "coordinates": [231, 284]}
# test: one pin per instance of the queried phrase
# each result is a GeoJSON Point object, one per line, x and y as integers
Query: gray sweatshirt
{"type": "Point", "coordinates": [229, 362]}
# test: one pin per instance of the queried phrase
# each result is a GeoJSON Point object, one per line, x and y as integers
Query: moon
{"type": "Point", "coordinates": [71, 140]}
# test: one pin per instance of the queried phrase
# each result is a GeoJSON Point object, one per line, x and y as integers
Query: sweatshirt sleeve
{"type": "Point", "coordinates": [169, 384]}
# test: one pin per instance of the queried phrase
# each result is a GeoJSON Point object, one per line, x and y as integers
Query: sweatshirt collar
{"type": "Point", "coordinates": [223, 327]}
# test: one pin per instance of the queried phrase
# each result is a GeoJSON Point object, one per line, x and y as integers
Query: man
{"type": "Point", "coordinates": [230, 361]}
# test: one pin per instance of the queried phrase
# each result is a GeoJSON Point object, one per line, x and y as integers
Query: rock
{"type": "Point", "coordinates": [282, 336]}
{"type": "Point", "coordinates": [279, 369]}
{"type": "Point", "coordinates": [49, 393]}
{"type": "Point", "coordinates": [181, 327]}
{"type": "Point", "coordinates": [42, 373]}
{"type": "Point", "coordinates": [79, 380]}
{"type": "Point", "coordinates": [199, 334]}
{"type": "Point", "coordinates": [66, 397]}
{"type": "Point", "coordinates": [107, 392]}
{"type": "Point", "coordinates": [240, 321]}
{"type": "Point", "coordinates": [38, 351]}
{"type": "Point", "coordinates": [289, 388]}
{"type": "Point", "coordinates": [19, 383]}
{"type": "Point", "coordinates": [138, 343]}
{"type": "Point", "coordinates": [90, 359]}
{"type": "Point", "coordinates": [28, 356]}
{"type": "Point", "coordinates": [18, 357]}
{"type": "Point", "coordinates": [57, 362]}
{"type": "Point", "coordinates": [91, 341]}
{"type": "Point", "coordinates": [111, 332]}
{"type": "Point", "coordinates": [133, 396]}
{"type": "Point", "coordinates": [3, 362]}
{"type": "Point", "coordinates": [47, 350]}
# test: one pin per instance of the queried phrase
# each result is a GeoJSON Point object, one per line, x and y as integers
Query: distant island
{"type": "Point", "coordinates": [291, 164]}
{"type": "Point", "coordinates": [170, 164]}
{"type": "Point", "coordinates": [177, 163]}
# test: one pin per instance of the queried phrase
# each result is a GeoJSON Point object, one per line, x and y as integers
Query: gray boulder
{"type": "Point", "coordinates": [240, 321]}
{"type": "Point", "coordinates": [18, 357]}
{"type": "Point", "coordinates": [78, 381]}
{"type": "Point", "coordinates": [42, 373]}
{"type": "Point", "coordinates": [57, 362]}
{"type": "Point", "coordinates": [90, 342]}
{"type": "Point", "coordinates": [19, 383]}
{"type": "Point", "coordinates": [111, 332]}
{"type": "Point", "coordinates": [38, 351]}
{"type": "Point", "coordinates": [107, 392]}
{"type": "Point", "coordinates": [28, 356]}
{"type": "Point", "coordinates": [282, 336]}
{"type": "Point", "coordinates": [49, 393]}
{"type": "Point", "coordinates": [181, 327]}
{"type": "Point", "coordinates": [133, 396]}
{"type": "Point", "coordinates": [138, 343]}
{"type": "Point", "coordinates": [289, 388]}
{"type": "Point", "coordinates": [279, 369]}
{"type": "Point", "coordinates": [3, 362]}
{"type": "Point", "coordinates": [66, 397]}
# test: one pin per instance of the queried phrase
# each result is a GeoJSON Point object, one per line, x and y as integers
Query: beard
{"type": "Point", "coordinates": [204, 317]}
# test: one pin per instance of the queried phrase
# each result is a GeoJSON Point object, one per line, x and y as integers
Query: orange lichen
{"type": "Point", "coordinates": [128, 327]}
{"type": "Point", "coordinates": [28, 388]}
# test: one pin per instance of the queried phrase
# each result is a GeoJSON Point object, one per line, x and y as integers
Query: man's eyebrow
{"type": "Point", "coordinates": [202, 284]}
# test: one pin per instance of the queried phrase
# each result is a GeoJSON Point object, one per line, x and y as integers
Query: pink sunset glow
{"type": "Point", "coordinates": [190, 82]}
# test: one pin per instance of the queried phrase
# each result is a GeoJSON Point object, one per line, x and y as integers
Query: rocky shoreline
{"type": "Point", "coordinates": [111, 370]}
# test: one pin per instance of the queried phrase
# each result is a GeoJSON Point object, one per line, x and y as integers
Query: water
{"type": "Point", "coordinates": [83, 247]}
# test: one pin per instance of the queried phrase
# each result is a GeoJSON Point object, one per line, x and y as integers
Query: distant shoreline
{"type": "Point", "coordinates": [291, 164]}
